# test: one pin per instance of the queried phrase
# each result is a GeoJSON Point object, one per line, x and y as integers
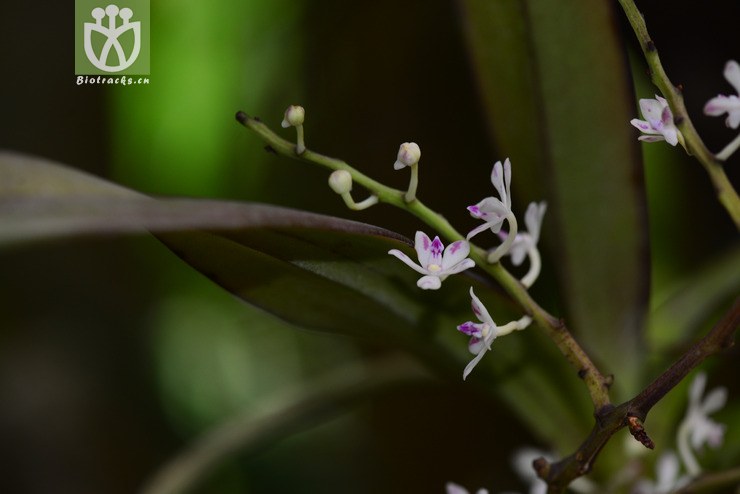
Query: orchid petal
{"type": "Point", "coordinates": [732, 74]}
{"type": "Point", "coordinates": [652, 109]}
{"type": "Point", "coordinates": [470, 328]}
{"type": "Point", "coordinates": [519, 248]}
{"type": "Point", "coordinates": [436, 253]}
{"type": "Point", "coordinates": [507, 181]}
{"type": "Point", "coordinates": [480, 310]}
{"type": "Point", "coordinates": [707, 431]}
{"type": "Point", "coordinates": [667, 471]}
{"type": "Point", "coordinates": [423, 246]}
{"type": "Point", "coordinates": [429, 282]}
{"type": "Point", "coordinates": [453, 488]}
{"type": "Point", "coordinates": [661, 100]}
{"type": "Point", "coordinates": [455, 253]}
{"type": "Point", "coordinates": [471, 365]}
{"type": "Point", "coordinates": [475, 211]}
{"type": "Point", "coordinates": [666, 117]}
{"type": "Point", "coordinates": [697, 389]}
{"type": "Point", "coordinates": [477, 344]}
{"type": "Point", "coordinates": [716, 106]}
{"type": "Point", "coordinates": [533, 219]}
{"type": "Point", "coordinates": [671, 135]}
{"type": "Point", "coordinates": [492, 208]}
{"type": "Point", "coordinates": [714, 401]}
{"type": "Point", "coordinates": [733, 117]}
{"type": "Point", "coordinates": [497, 179]}
{"type": "Point", "coordinates": [459, 267]}
{"type": "Point", "coordinates": [475, 231]}
{"type": "Point", "coordinates": [497, 176]}
{"type": "Point", "coordinates": [641, 125]}
{"type": "Point", "coordinates": [651, 138]}
{"type": "Point", "coordinates": [407, 261]}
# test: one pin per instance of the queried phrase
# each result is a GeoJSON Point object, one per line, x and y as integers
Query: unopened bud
{"type": "Point", "coordinates": [294, 116]}
{"type": "Point", "coordinates": [408, 154]}
{"type": "Point", "coordinates": [340, 181]}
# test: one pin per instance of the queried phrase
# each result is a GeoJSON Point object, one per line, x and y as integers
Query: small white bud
{"type": "Point", "coordinates": [294, 116]}
{"type": "Point", "coordinates": [408, 155]}
{"type": "Point", "coordinates": [340, 181]}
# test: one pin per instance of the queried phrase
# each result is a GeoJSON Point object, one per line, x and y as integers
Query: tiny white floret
{"type": "Point", "coordinates": [340, 181]}
{"type": "Point", "coordinates": [481, 333]}
{"type": "Point", "coordinates": [727, 104]}
{"type": "Point", "coordinates": [435, 261]}
{"type": "Point", "coordinates": [492, 210]}
{"type": "Point", "coordinates": [409, 154]}
{"type": "Point", "coordinates": [294, 116]}
{"type": "Point", "coordinates": [658, 124]}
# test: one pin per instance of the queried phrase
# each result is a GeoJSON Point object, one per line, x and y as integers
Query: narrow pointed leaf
{"type": "Point", "coordinates": [555, 87]}
{"type": "Point", "coordinates": [686, 308]}
{"type": "Point", "coordinates": [313, 271]}
{"type": "Point", "coordinates": [303, 267]}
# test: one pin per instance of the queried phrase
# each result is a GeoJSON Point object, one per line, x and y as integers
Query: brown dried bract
{"type": "Point", "coordinates": [638, 432]}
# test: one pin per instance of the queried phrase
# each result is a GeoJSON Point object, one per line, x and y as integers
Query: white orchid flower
{"type": "Point", "coordinates": [435, 262]}
{"type": "Point", "coordinates": [697, 429]}
{"type": "Point", "coordinates": [453, 488]}
{"type": "Point", "coordinates": [727, 104]}
{"type": "Point", "coordinates": [658, 124]}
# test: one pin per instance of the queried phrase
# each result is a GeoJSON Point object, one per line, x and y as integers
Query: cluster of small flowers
{"type": "Point", "coordinates": [695, 431]}
{"type": "Point", "coordinates": [435, 262]}
{"type": "Point", "coordinates": [660, 126]}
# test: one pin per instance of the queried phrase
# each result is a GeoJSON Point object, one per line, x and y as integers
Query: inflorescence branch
{"type": "Point", "coordinates": [693, 143]}
{"type": "Point", "coordinates": [632, 413]}
{"type": "Point", "coordinates": [597, 384]}
{"type": "Point", "coordinates": [609, 418]}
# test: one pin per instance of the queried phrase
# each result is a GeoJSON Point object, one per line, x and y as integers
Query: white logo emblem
{"type": "Point", "coordinates": [111, 32]}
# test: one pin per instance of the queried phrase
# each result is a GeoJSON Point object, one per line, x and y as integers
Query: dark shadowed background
{"type": "Point", "coordinates": [114, 355]}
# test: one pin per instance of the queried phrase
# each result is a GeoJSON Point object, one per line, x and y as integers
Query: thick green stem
{"type": "Point", "coordinates": [597, 384]}
{"type": "Point", "coordinates": [726, 193]}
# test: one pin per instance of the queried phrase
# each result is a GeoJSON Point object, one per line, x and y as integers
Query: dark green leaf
{"type": "Point", "coordinates": [679, 315]}
{"type": "Point", "coordinates": [313, 271]}
{"type": "Point", "coordinates": [554, 80]}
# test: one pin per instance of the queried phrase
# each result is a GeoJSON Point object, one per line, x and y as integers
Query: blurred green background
{"type": "Point", "coordinates": [114, 355]}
